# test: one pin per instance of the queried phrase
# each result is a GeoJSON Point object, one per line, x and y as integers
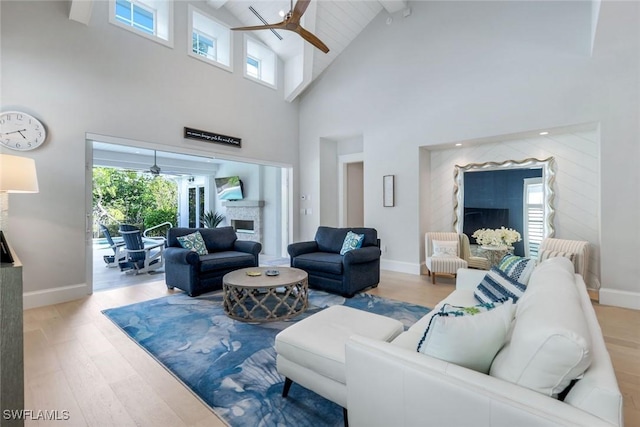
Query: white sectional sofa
{"type": "Point", "coordinates": [391, 384]}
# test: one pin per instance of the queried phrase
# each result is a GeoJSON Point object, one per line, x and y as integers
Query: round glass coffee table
{"type": "Point", "coordinates": [258, 294]}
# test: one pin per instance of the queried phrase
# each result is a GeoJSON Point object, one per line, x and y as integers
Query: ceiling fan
{"type": "Point", "coordinates": [292, 23]}
{"type": "Point", "coordinates": [154, 169]}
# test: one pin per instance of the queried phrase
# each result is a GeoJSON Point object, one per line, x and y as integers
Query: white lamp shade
{"type": "Point", "coordinates": [18, 174]}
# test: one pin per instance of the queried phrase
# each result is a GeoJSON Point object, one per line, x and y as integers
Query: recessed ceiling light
{"type": "Point", "coordinates": [281, 13]}
{"type": "Point", "coordinates": [459, 144]}
{"type": "Point", "coordinates": [544, 133]}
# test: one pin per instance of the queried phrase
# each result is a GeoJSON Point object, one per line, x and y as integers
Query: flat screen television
{"type": "Point", "coordinates": [476, 218]}
{"type": "Point", "coordinates": [230, 188]}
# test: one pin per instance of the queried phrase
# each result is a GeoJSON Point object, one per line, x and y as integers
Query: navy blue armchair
{"type": "Point", "coordinates": [329, 271]}
{"type": "Point", "coordinates": [195, 274]}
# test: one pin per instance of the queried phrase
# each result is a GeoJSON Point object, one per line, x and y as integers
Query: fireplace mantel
{"type": "Point", "coordinates": [243, 203]}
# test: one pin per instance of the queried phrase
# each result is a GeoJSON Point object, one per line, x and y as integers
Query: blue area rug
{"type": "Point", "coordinates": [231, 365]}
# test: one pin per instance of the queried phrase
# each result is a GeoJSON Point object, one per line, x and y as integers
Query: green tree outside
{"type": "Point", "coordinates": [143, 200]}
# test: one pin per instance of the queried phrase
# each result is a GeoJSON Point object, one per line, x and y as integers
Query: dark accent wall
{"type": "Point", "coordinates": [500, 189]}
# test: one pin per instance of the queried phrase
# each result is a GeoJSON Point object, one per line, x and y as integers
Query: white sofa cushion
{"type": "Point", "coordinates": [317, 342]}
{"type": "Point", "coordinates": [550, 342]}
{"type": "Point", "coordinates": [469, 338]}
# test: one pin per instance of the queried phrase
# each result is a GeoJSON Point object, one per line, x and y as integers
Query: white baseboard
{"type": "Point", "coordinates": [619, 298]}
{"type": "Point", "coordinates": [400, 266]}
{"type": "Point", "coordinates": [50, 296]}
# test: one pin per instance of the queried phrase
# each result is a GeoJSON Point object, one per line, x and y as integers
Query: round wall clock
{"type": "Point", "coordinates": [21, 131]}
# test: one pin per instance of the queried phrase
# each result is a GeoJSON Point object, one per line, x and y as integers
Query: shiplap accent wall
{"type": "Point", "coordinates": [577, 185]}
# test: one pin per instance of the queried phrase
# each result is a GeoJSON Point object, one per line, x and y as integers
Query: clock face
{"type": "Point", "coordinates": [21, 131]}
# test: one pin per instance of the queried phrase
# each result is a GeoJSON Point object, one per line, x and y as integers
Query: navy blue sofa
{"type": "Point", "coordinates": [329, 271]}
{"type": "Point", "coordinates": [195, 274]}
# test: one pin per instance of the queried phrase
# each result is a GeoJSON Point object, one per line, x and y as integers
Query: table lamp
{"type": "Point", "coordinates": [17, 175]}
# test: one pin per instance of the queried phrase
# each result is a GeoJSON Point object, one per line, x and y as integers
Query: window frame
{"type": "Point", "coordinates": [132, 23]}
{"type": "Point", "coordinates": [246, 55]}
{"type": "Point", "coordinates": [527, 207]}
{"type": "Point", "coordinates": [191, 29]}
{"type": "Point", "coordinates": [156, 21]}
{"type": "Point", "coordinates": [258, 67]}
{"type": "Point", "coordinates": [207, 36]}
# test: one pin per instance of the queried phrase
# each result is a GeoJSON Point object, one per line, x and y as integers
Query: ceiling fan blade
{"type": "Point", "coordinates": [312, 39]}
{"type": "Point", "coordinates": [299, 9]}
{"type": "Point", "coordinates": [278, 26]}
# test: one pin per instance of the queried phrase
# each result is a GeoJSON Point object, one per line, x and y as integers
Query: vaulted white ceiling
{"type": "Point", "coordinates": [336, 22]}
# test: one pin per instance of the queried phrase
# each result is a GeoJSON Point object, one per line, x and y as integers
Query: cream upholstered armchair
{"type": "Point", "coordinates": [576, 250]}
{"type": "Point", "coordinates": [477, 262]}
{"type": "Point", "coordinates": [443, 254]}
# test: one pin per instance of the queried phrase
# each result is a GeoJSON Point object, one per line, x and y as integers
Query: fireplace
{"type": "Point", "coordinates": [245, 216]}
{"type": "Point", "coordinates": [243, 225]}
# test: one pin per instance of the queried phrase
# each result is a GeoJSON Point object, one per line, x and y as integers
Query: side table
{"type": "Point", "coordinates": [496, 253]}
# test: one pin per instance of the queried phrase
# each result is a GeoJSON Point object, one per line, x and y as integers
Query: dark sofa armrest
{"type": "Point", "coordinates": [300, 248]}
{"type": "Point", "coordinates": [180, 256]}
{"type": "Point", "coordinates": [247, 246]}
{"type": "Point", "coordinates": [359, 256]}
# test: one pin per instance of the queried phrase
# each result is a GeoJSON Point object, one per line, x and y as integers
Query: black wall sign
{"type": "Point", "coordinates": [202, 135]}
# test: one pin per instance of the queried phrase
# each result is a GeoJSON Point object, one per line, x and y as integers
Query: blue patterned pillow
{"type": "Point", "coordinates": [195, 242]}
{"type": "Point", "coordinates": [518, 268]}
{"type": "Point", "coordinates": [351, 241]}
{"type": "Point", "coordinates": [498, 286]}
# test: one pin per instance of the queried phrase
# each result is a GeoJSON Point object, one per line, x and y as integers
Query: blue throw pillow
{"type": "Point", "coordinates": [351, 241]}
{"type": "Point", "coordinates": [498, 286]}
{"type": "Point", "coordinates": [518, 268]}
{"type": "Point", "coordinates": [195, 242]}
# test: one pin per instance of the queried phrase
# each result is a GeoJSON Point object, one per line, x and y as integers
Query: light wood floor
{"type": "Point", "coordinates": [77, 360]}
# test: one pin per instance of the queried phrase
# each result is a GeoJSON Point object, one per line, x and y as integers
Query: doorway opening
{"type": "Point", "coordinates": [194, 177]}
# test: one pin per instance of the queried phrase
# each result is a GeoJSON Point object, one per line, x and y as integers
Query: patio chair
{"type": "Point", "coordinates": [117, 247]}
{"type": "Point", "coordinates": [141, 256]}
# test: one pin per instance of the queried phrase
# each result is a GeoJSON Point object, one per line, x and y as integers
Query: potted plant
{"type": "Point", "coordinates": [211, 219]}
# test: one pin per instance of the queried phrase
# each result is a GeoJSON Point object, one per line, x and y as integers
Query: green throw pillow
{"type": "Point", "coordinates": [195, 242]}
{"type": "Point", "coordinates": [351, 241]}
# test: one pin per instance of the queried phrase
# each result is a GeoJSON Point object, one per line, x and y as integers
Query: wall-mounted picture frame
{"type": "Point", "coordinates": [388, 191]}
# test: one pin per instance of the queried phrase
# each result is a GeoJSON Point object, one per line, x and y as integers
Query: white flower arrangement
{"type": "Point", "coordinates": [498, 237]}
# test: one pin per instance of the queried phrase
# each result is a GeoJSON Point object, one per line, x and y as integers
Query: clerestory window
{"type": "Point", "coordinates": [152, 19]}
{"type": "Point", "coordinates": [136, 15]}
{"type": "Point", "coordinates": [260, 63]}
{"type": "Point", "coordinates": [253, 67]}
{"type": "Point", "coordinates": [210, 40]}
{"type": "Point", "coordinates": [204, 45]}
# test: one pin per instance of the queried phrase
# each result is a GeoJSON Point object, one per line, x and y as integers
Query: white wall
{"type": "Point", "coordinates": [328, 185]}
{"type": "Point", "coordinates": [104, 80]}
{"type": "Point", "coordinates": [455, 71]}
{"type": "Point", "coordinates": [272, 211]}
{"type": "Point", "coordinates": [355, 194]}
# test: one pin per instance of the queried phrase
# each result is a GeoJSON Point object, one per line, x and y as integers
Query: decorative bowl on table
{"type": "Point", "coordinates": [254, 273]}
{"type": "Point", "coordinates": [271, 272]}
